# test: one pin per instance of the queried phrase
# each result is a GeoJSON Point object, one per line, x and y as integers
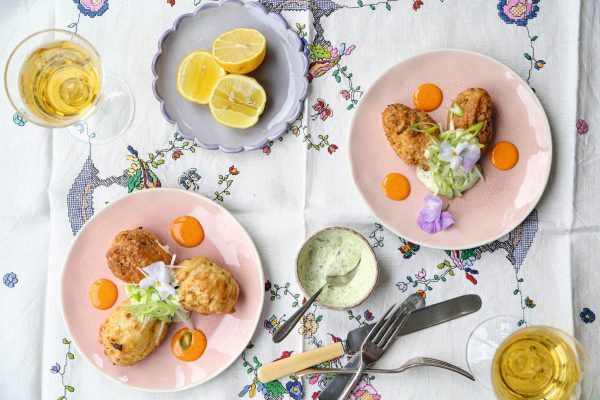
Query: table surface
{"type": "Point", "coordinates": [545, 272]}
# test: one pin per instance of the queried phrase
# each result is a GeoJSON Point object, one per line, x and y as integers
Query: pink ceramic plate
{"type": "Point", "coordinates": [490, 209]}
{"type": "Point", "coordinates": [226, 243]}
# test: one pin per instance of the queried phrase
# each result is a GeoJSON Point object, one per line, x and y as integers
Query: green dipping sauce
{"type": "Point", "coordinates": [336, 252]}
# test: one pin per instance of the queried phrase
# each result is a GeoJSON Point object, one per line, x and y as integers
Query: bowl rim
{"type": "Point", "coordinates": [63, 279]}
{"type": "Point", "coordinates": [366, 242]}
{"type": "Point", "coordinates": [277, 22]}
{"type": "Point", "coordinates": [546, 122]}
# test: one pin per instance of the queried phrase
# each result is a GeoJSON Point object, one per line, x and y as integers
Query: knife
{"type": "Point", "coordinates": [418, 320]}
{"type": "Point", "coordinates": [424, 318]}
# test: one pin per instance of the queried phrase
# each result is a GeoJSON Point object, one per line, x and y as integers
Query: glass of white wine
{"type": "Point", "coordinates": [529, 363]}
{"type": "Point", "coordinates": [54, 78]}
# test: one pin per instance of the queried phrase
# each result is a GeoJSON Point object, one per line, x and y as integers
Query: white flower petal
{"type": "Point", "coordinates": [446, 151]}
{"type": "Point", "coordinates": [148, 281]}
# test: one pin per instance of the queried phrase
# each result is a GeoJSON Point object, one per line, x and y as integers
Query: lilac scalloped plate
{"type": "Point", "coordinates": [282, 74]}
{"type": "Point", "coordinates": [493, 207]}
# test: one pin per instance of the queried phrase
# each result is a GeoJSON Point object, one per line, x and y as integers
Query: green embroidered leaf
{"type": "Point", "coordinates": [357, 88]}
{"type": "Point", "coordinates": [443, 279]}
{"type": "Point", "coordinates": [429, 288]}
{"type": "Point", "coordinates": [440, 266]}
{"type": "Point", "coordinates": [436, 277]}
{"type": "Point", "coordinates": [154, 164]}
{"type": "Point", "coordinates": [226, 193]}
{"type": "Point", "coordinates": [516, 291]}
{"type": "Point", "coordinates": [185, 144]}
{"type": "Point", "coordinates": [451, 272]}
{"type": "Point", "coordinates": [70, 388]}
{"type": "Point", "coordinates": [61, 398]}
{"type": "Point", "coordinates": [336, 72]}
{"type": "Point", "coordinates": [150, 155]}
{"type": "Point", "coordinates": [521, 322]}
{"type": "Point", "coordinates": [533, 39]}
{"type": "Point", "coordinates": [319, 318]}
{"type": "Point", "coordinates": [294, 304]}
{"type": "Point", "coordinates": [309, 146]}
{"type": "Point", "coordinates": [372, 7]}
{"type": "Point", "coordinates": [360, 3]}
{"type": "Point", "coordinates": [349, 312]}
{"type": "Point", "coordinates": [193, 149]}
{"type": "Point", "coordinates": [344, 68]}
{"type": "Point", "coordinates": [415, 284]}
{"type": "Point", "coordinates": [387, 5]}
{"type": "Point", "coordinates": [250, 370]}
{"type": "Point", "coordinates": [408, 278]}
{"type": "Point", "coordinates": [527, 56]}
{"type": "Point", "coordinates": [350, 75]}
{"type": "Point", "coordinates": [65, 341]}
{"type": "Point", "coordinates": [159, 162]}
{"type": "Point", "coordinates": [70, 355]}
{"type": "Point", "coordinates": [520, 280]}
{"type": "Point", "coordinates": [338, 79]}
{"type": "Point", "coordinates": [272, 298]}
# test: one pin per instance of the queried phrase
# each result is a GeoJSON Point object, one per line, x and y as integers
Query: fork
{"type": "Point", "coordinates": [381, 336]}
{"type": "Point", "coordinates": [412, 363]}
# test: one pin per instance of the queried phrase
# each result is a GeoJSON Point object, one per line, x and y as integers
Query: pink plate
{"type": "Point", "coordinates": [226, 243]}
{"type": "Point", "coordinates": [490, 209]}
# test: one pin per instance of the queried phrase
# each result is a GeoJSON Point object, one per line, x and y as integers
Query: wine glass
{"type": "Point", "coordinates": [527, 363]}
{"type": "Point", "coordinates": [54, 78]}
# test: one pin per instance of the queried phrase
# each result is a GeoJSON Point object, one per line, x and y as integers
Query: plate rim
{"type": "Point", "coordinates": [546, 122]}
{"type": "Point", "coordinates": [62, 285]}
{"type": "Point", "coordinates": [277, 20]}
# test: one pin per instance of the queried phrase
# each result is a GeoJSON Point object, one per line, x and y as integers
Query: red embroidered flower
{"type": "Point", "coordinates": [176, 154]}
{"type": "Point", "coordinates": [582, 126]}
{"type": "Point", "coordinates": [421, 293]}
{"type": "Point", "coordinates": [233, 170]}
{"type": "Point", "coordinates": [332, 148]}
{"type": "Point", "coordinates": [315, 395]}
{"type": "Point", "coordinates": [417, 4]}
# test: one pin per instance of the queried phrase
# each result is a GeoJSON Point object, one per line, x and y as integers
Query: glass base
{"type": "Point", "coordinates": [112, 117]}
{"type": "Point", "coordinates": [483, 343]}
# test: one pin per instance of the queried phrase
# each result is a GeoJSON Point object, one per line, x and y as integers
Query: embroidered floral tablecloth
{"type": "Point", "coordinates": [544, 272]}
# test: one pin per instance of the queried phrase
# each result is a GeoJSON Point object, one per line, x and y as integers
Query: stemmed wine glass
{"type": "Point", "coordinates": [527, 363]}
{"type": "Point", "coordinates": [54, 78]}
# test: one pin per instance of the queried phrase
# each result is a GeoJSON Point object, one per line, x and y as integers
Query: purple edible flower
{"type": "Point", "coordinates": [431, 218]}
{"type": "Point", "coordinates": [464, 154]}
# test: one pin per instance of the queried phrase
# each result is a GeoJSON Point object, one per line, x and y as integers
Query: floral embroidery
{"type": "Point", "coordinates": [322, 110]}
{"type": "Point", "coordinates": [61, 369]}
{"type": "Point", "coordinates": [309, 325]}
{"type": "Point", "coordinates": [189, 178]}
{"type": "Point", "coordinates": [295, 389]}
{"type": "Point", "coordinates": [351, 94]}
{"type": "Point", "coordinates": [368, 315]}
{"type": "Point", "coordinates": [274, 323]}
{"type": "Point", "coordinates": [92, 8]}
{"type": "Point", "coordinates": [582, 126]}
{"type": "Point", "coordinates": [226, 180]}
{"type": "Point", "coordinates": [10, 279]}
{"type": "Point", "coordinates": [270, 390]}
{"type": "Point", "coordinates": [408, 249]}
{"type": "Point", "coordinates": [518, 11]}
{"type": "Point", "coordinates": [364, 391]}
{"type": "Point", "coordinates": [587, 316]}
{"type": "Point", "coordinates": [20, 117]}
{"type": "Point", "coordinates": [377, 236]}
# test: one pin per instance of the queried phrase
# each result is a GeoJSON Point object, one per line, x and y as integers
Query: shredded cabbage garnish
{"type": "Point", "coordinates": [440, 178]}
{"type": "Point", "coordinates": [146, 304]}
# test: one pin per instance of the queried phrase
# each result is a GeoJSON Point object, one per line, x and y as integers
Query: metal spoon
{"type": "Point", "coordinates": [330, 280]}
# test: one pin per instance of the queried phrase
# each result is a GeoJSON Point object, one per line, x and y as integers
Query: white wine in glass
{"type": "Point", "coordinates": [55, 78]}
{"type": "Point", "coordinates": [60, 83]}
{"type": "Point", "coordinates": [536, 363]}
{"type": "Point", "coordinates": [529, 363]}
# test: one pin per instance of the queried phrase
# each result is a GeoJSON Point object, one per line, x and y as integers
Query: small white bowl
{"type": "Point", "coordinates": [366, 246]}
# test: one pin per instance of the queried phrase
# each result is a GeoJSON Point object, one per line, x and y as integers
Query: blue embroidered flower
{"type": "Point", "coordinates": [368, 315]}
{"type": "Point", "coordinates": [55, 368]}
{"type": "Point", "coordinates": [295, 389]}
{"type": "Point", "coordinates": [539, 64]}
{"type": "Point", "coordinates": [92, 8]}
{"type": "Point", "coordinates": [10, 279]}
{"type": "Point", "coordinates": [518, 11]}
{"type": "Point", "coordinates": [20, 117]}
{"type": "Point", "coordinates": [587, 315]}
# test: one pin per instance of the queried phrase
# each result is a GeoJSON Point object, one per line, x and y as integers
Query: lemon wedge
{"type": "Point", "coordinates": [237, 101]}
{"type": "Point", "coordinates": [197, 75]}
{"type": "Point", "coordinates": [240, 51]}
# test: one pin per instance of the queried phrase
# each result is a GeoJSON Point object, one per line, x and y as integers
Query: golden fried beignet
{"type": "Point", "coordinates": [410, 146]}
{"type": "Point", "coordinates": [132, 250]}
{"type": "Point", "coordinates": [125, 339]}
{"type": "Point", "coordinates": [477, 106]}
{"type": "Point", "coordinates": [205, 287]}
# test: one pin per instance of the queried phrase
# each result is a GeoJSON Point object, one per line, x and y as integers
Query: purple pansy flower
{"type": "Point", "coordinates": [55, 368]}
{"type": "Point", "coordinates": [431, 218]}
{"type": "Point", "coordinates": [92, 8]}
{"type": "Point", "coordinates": [587, 316]}
{"type": "Point", "coordinates": [10, 279]}
{"type": "Point", "coordinates": [465, 155]}
{"type": "Point", "coordinates": [518, 11]}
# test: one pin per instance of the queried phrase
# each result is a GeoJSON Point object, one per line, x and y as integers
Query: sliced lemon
{"type": "Point", "coordinates": [197, 75]}
{"type": "Point", "coordinates": [240, 51]}
{"type": "Point", "coordinates": [237, 101]}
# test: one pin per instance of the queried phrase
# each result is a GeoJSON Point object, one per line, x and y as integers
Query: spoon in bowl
{"type": "Point", "coordinates": [330, 280]}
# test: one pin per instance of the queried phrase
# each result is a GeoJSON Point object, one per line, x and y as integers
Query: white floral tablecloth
{"type": "Point", "coordinates": [545, 272]}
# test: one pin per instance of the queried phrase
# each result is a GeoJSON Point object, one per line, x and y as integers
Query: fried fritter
{"type": "Point", "coordinates": [205, 287]}
{"type": "Point", "coordinates": [477, 106]}
{"type": "Point", "coordinates": [125, 339]}
{"type": "Point", "coordinates": [132, 250]}
{"type": "Point", "coordinates": [409, 145]}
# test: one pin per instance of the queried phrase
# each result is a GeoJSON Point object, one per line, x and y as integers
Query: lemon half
{"type": "Point", "coordinates": [237, 101]}
{"type": "Point", "coordinates": [240, 51]}
{"type": "Point", "coordinates": [197, 75]}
